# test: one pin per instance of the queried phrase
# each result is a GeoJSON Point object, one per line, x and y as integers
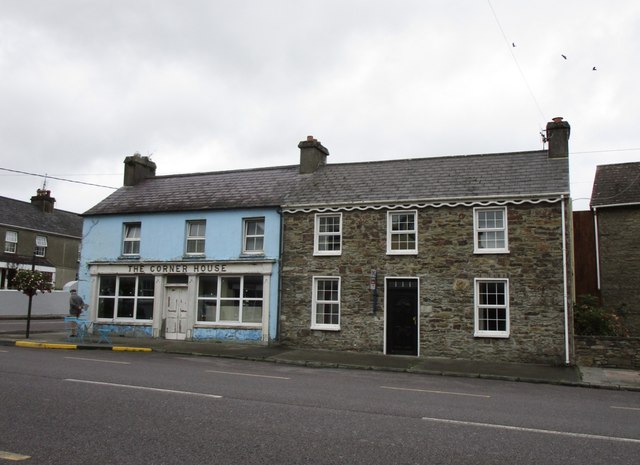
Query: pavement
{"type": "Point", "coordinates": [606, 378]}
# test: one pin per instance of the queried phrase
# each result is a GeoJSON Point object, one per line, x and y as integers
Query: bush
{"type": "Point", "coordinates": [592, 319]}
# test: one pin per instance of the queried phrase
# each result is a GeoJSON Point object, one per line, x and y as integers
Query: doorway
{"type": "Point", "coordinates": [176, 327]}
{"type": "Point", "coordinates": [401, 316]}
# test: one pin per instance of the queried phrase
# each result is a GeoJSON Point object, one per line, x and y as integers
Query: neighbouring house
{"type": "Point", "coordinates": [615, 203]}
{"type": "Point", "coordinates": [461, 257]}
{"type": "Point", "coordinates": [37, 235]}
{"type": "Point", "coordinates": [190, 256]}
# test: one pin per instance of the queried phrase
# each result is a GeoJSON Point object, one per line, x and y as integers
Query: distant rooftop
{"type": "Point", "coordinates": [617, 184]}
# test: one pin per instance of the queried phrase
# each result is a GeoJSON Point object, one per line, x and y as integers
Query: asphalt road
{"type": "Point", "coordinates": [103, 407]}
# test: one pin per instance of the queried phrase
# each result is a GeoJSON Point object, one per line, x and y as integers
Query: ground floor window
{"type": "Point", "coordinates": [325, 312]}
{"type": "Point", "coordinates": [230, 299]}
{"type": "Point", "coordinates": [491, 307]}
{"type": "Point", "coordinates": [126, 297]}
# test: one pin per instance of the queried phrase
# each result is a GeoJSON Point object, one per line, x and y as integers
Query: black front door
{"type": "Point", "coordinates": [402, 316]}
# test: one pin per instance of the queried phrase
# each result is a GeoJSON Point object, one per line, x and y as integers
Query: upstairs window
{"type": "Point", "coordinates": [328, 234]}
{"type": "Point", "coordinates": [196, 237]}
{"type": "Point", "coordinates": [253, 241]}
{"type": "Point", "coordinates": [402, 233]}
{"type": "Point", "coordinates": [491, 308]}
{"type": "Point", "coordinates": [131, 240]}
{"type": "Point", "coordinates": [41, 246]}
{"type": "Point", "coordinates": [10, 242]}
{"type": "Point", "coordinates": [490, 230]}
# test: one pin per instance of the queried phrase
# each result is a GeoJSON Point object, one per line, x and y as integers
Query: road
{"type": "Point", "coordinates": [104, 407]}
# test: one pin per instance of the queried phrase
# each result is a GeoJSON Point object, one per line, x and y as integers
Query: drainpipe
{"type": "Point", "coordinates": [597, 241]}
{"type": "Point", "coordinates": [567, 359]}
{"type": "Point", "coordinates": [279, 304]}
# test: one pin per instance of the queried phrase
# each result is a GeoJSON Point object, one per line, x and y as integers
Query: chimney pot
{"type": "Point", "coordinates": [312, 155]}
{"type": "Point", "coordinates": [558, 132]}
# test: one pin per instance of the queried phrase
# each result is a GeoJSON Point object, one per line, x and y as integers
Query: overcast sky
{"type": "Point", "coordinates": [217, 85]}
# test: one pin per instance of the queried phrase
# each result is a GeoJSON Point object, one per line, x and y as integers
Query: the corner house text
{"type": "Point", "coordinates": [179, 268]}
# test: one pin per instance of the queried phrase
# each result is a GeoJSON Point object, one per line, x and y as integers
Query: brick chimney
{"type": "Point", "coordinates": [313, 155]}
{"type": "Point", "coordinates": [43, 201]}
{"type": "Point", "coordinates": [138, 168]}
{"type": "Point", "coordinates": [558, 138]}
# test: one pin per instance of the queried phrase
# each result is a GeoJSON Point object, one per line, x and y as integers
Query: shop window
{"type": "Point", "coordinates": [126, 297]}
{"type": "Point", "coordinates": [230, 299]}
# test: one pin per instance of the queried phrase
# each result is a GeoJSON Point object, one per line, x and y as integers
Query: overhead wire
{"type": "Point", "coordinates": [515, 60]}
{"type": "Point", "coordinates": [46, 176]}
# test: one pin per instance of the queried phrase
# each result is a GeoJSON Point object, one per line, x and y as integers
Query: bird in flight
{"type": "Point", "coordinates": [594, 69]}
{"type": "Point", "coordinates": [563, 56]}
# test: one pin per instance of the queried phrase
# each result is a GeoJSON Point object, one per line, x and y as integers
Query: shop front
{"type": "Point", "coordinates": [212, 300]}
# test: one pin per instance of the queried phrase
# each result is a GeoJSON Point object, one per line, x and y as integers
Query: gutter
{"type": "Point", "coordinates": [597, 241]}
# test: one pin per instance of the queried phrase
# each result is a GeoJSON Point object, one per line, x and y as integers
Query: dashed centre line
{"type": "Point", "coordinates": [436, 392]}
{"type": "Point", "coordinates": [13, 456]}
{"type": "Point", "coordinates": [98, 360]}
{"type": "Point", "coordinates": [144, 388]}
{"type": "Point", "coordinates": [533, 430]}
{"type": "Point", "coordinates": [246, 374]}
{"type": "Point", "coordinates": [626, 408]}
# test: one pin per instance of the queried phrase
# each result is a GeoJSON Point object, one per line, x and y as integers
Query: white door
{"type": "Point", "coordinates": [176, 313]}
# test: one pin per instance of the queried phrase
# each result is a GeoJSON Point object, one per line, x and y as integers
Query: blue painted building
{"type": "Point", "coordinates": [193, 256]}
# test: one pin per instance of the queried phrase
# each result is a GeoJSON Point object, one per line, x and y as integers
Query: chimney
{"type": "Point", "coordinates": [558, 138]}
{"type": "Point", "coordinates": [138, 168]}
{"type": "Point", "coordinates": [43, 201]}
{"type": "Point", "coordinates": [313, 155]}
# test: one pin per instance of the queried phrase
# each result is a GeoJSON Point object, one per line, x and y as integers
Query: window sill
{"type": "Point", "coordinates": [327, 254]}
{"type": "Point", "coordinates": [227, 325]}
{"type": "Point", "coordinates": [491, 251]}
{"type": "Point", "coordinates": [496, 335]}
{"type": "Point", "coordinates": [325, 327]}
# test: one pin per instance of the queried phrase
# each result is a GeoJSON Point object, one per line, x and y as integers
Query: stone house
{"type": "Point", "coordinates": [189, 256]}
{"type": "Point", "coordinates": [460, 257]}
{"type": "Point", "coordinates": [615, 203]}
{"type": "Point", "coordinates": [35, 234]}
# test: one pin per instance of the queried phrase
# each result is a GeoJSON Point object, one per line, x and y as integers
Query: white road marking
{"type": "Point", "coordinates": [4, 351]}
{"type": "Point", "coordinates": [144, 388]}
{"type": "Point", "coordinates": [12, 456]}
{"type": "Point", "coordinates": [626, 408]}
{"type": "Point", "coordinates": [98, 360]}
{"type": "Point", "coordinates": [533, 430]}
{"type": "Point", "coordinates": [435, 392]}
{"type": "Point", "coordinates": [246, 374]}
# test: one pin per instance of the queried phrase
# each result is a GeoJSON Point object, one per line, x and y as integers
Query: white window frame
{"type": "Point", "coordinates": [315, 302]}
{"type": "Point", "coordinates": [479, 307]}
{"type": "Point", "coordinates": [41, 246]}
{"type": "Point", "coordinates": [243, 300]}
{"type": "Point", "coordinates": [119, 299]}
{"type": "Point", "coordinates": [391, 233]}
{"type": "Point", "coordinates": [246, 236]}
{"type": "Point", "coordinates": [318, 234]}
{"type": "Point", "coordinates": [478, 230]}
{"type": "Point", "coordinates": [195, 239]}
{"type": "Point", "coordinates": [10, 241]}
{"type": "Point", "coordinates": [131, 240]}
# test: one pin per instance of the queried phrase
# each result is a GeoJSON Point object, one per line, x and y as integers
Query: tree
{"type": "Point", "coordinates": [30, 282]}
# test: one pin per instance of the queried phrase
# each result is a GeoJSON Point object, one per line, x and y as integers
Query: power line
{"type": "Point", "coordinates": [58, 179]}
{"type": "Point", "coordinates": [510, 46]}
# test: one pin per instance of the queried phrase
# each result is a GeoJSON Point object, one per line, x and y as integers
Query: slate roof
{"type": "Point", "coordinates": [27, 216]}
{"type": "Point", "coordinates": [507, 175]}
{"type": "Point", "coordinates": [617, 184]}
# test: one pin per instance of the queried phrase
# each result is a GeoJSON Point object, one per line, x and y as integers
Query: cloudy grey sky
{"type": "Point", "coordinates": [228, 84]}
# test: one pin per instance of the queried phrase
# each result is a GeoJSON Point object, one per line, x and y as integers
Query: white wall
{"type": "Point", "coordinates": [15, 304]}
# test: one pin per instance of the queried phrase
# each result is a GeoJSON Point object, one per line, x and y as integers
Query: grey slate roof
{"type": "Point", "coordinates": [507, 175]}
{"type": "Point", "coordinates": [25, 215]}
{"type": "Point", "coordinates": [617, 184]}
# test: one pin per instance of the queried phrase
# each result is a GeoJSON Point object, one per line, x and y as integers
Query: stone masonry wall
{"type": "Point", "coordinates": [446, 267]}
{"type": "Point", "coordinates": [619, 242]}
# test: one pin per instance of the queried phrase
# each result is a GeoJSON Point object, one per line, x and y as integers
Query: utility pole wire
{"type": "Point", "coordinates": [511, 46]}
{"type": "Point", "coordinates": [46, 176]}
